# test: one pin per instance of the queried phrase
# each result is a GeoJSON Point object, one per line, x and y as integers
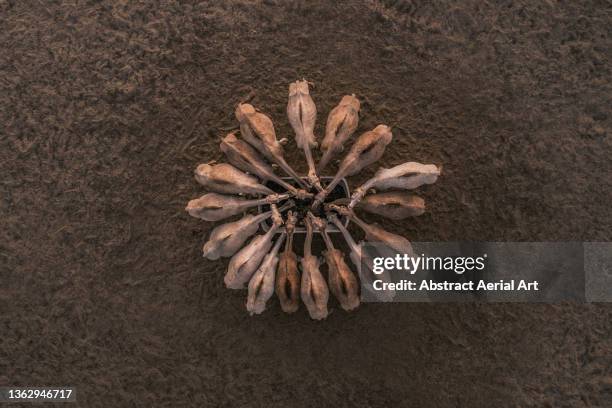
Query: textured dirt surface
{"type": "Point", "coordinates": [107, 107]}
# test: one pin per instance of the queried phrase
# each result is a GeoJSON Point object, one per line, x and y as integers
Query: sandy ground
{"type": "Point", "coordinates": [107, 107]}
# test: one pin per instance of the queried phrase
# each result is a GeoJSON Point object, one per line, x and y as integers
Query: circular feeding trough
{"type": "Point", "coordinates": [267, 263]}
{"type": "Point", "coordinates": [341, 193]}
